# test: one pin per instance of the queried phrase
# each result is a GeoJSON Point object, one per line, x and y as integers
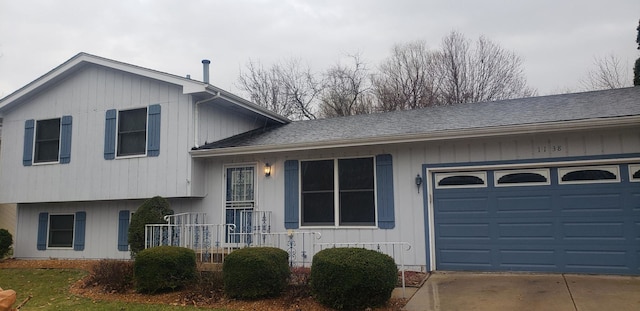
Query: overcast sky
{"type": "Point", "coordinates": [557, 39]}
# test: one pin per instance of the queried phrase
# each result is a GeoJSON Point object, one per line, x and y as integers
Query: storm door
{"type": "Point", "coordinates": [240, 202]}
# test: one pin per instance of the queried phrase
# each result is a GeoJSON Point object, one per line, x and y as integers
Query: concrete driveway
{"type": "Point", "coordinates": [512, 291]}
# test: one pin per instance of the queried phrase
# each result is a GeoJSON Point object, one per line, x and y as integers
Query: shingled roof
{"type": "Point", "coordinates": [542, 110]}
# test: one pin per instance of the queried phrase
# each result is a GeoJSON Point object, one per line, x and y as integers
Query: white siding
{"type": "Point", "coordinates": [101, 238]}
{"type": "Point", "coordinates": [407, 163]}
{"type": "Point", "coordinates": [8, 218]}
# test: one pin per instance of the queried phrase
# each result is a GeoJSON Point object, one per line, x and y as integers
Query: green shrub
{"type": "Point", "coordinates": [6, 240]}
{"type": "Point", "coordinates": [352, 278]}
{"type": "Point", "coordinates": [255, 272]}
{"type": "Point", "coordinates": [152, 211]}
{"type": "Point", "coordinates": [112, 275]}
{"type": "Point", "coordinates": [164, 268]}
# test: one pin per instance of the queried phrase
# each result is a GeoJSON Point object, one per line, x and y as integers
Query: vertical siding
{"type": "Point", "coordinates": [86, 96]}
{"type": "Point", "coordinates": [101, 236]}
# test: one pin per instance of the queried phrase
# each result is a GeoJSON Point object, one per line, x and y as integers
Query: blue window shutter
{"type": "Point", "coordinates": [384, 178]}
{"type": "Point", "coordinates": [153, 134]}
{"type": "Point", "coordinates": [110, 128]}
{"type": "Point", "coordinates": [27, 154]}
{"type": "Point", "coordinates": [79, 228]}
{"type": "Point", "coordinates": [291, 194]}
{"type": "Point", "coordinates": [43, 222]}
{"type": "Point", "coordinates": [65, 139]}
{"type": "Point", "coordinates": [123, 230]}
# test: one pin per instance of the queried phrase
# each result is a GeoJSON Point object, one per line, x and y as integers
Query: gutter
{"type": "Point", "coordinates": [196, 123]}
{"type": "Point", "coordinates": [538, 128]}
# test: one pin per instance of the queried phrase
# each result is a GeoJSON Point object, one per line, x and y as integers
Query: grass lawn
{"type": "Point", "coordinates": [49, 289]}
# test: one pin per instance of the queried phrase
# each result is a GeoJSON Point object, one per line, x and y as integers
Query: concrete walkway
{"type": "Point", "coordinates": [510, 291]}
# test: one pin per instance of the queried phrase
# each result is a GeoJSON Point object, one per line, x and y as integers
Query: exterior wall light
{"type": "Point", "coordinates": [267, 170]}
{"type": "Point", "coordinates": [418, 182]}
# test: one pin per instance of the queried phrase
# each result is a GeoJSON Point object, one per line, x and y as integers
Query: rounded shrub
{"type": "Point", "coordinates": [352, 278]}
{"type": "Point", "coordinates": [6, 240]}
{"type": "Point", "coordinates": [164, 268]}
{"type": "Point", "coordinates": [152, 211]}
{"type": "Point", "coordinates": [255, 272]}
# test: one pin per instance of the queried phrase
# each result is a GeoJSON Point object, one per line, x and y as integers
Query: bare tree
{"type": "Point", "coordinates": [347, 90]}
{"type": "Point", "coordinates": [609, 72]}
{"type": "Point", "coordinates": [286, 88]}
{"type": "Point", "coordinates": [406, 79]}
{"type": "Point", "coordinates": [480, 72]}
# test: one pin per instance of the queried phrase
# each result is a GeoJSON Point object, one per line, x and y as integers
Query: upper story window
{"type": "Point", "coordinates": [338, 192]}
{"type": "Point", "coordinates": [47, 141]}
{"type": "Point", "coordinates": [132, 132]}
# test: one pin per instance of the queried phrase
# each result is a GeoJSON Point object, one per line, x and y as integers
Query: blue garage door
{"type": "Point", "coordinates": [567, 219]}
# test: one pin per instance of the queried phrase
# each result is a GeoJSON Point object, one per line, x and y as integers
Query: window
{"type": "Point", "coordinates": [461, 180]}
{"type": "Point", "coordinates": [132, 132]}
{"type": "Point", "coordinates": [47, 141]}
{"type": "Point", "coordinates": [634, 172]}
{"type": "Point", "coordinates": [61, 230]}
{"type": "Point", "coordinates": [522, 177]}
{"type": "Point", "coordinates": [338, 192]}
{"type": "Point", "coordinates": [595, 174]}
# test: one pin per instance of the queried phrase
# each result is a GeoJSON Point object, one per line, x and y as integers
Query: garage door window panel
{"type": "Point", "coordinates": [461, 180]}
{"type": "Point", "coordinates": [634, 172]}
{"type": "Point", "coordinates": [522, 178]}
{"type": "Point", "coordinates": [587, 175]}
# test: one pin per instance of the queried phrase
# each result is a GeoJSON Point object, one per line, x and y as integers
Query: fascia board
{"type": "Point", "coordinates": [538, 128]}
{"type": "Point", "coordinates": [243, 103]}
{"type": "Point", "coordinates": [189, 86]}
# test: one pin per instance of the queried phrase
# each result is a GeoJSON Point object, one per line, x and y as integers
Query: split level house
{"type": "Point", "coordinates": [548, 183]}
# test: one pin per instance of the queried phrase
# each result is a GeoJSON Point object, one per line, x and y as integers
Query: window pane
{"type": "Point", "coordinates": [132, 132]}
{"type": "Point", "coordinates": [356, 173]}
{"type": "Point", "coordinates": [47, 143]}
{"type": "Point", "coordinates": [318, 208]}
{"type": "Point", "coordinates": [357, 208]}
{"type": "Point", "coordinates": [461, 180]}
{"type": "Point", "coordinates": [61, 230]}
{"type": "Point", "coordinates": [240, 184]}
{"type": "Point", "coordinates": [517, 178]}
{"type": "Point", "coordinates": [317, 175]}
{"type": "Point", "coordinates": [588, 175]}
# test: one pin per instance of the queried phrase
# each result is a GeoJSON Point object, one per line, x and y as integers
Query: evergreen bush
{"type": "Point", "coordinates": [255, 272]}
{"type": "Point", "coordinates": [152, 211]}
{"type": "Point", "coordinates": [6, 240]}
{"type": "Point", "coordinates": [164, 268]}
{"type": "Point", "coordinates": [352, 278]}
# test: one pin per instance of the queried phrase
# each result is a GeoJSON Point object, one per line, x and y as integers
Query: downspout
{"type": "Point", "coordinates": [197, 116]}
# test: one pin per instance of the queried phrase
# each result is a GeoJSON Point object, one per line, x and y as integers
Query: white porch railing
{"type": "Point", "coordinates": [395, 250]}
{"type": "Point", "coordinates": [207, 240]}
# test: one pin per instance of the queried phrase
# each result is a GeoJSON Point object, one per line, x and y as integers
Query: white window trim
{"type": "Point", "coordinates": [632, 169]}
{"type": "Point", "coordinates": [541, 171]}
{"type": "Point", "coordinates": [480, 174]}
{"type": "Point", "coordinates": [146, 134]}
{"type": "Point", "coordinates": [614, 169]}
{"type": "Point", "coordinates": [35, 136]}
{"type": "Point", "coordinates": [336, 196]}
{"type": "Point", "coordinates": [73, 231]}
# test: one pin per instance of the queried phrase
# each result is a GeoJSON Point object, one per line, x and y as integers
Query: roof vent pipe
{"type": "Point", "coordinates": [205, 70]}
